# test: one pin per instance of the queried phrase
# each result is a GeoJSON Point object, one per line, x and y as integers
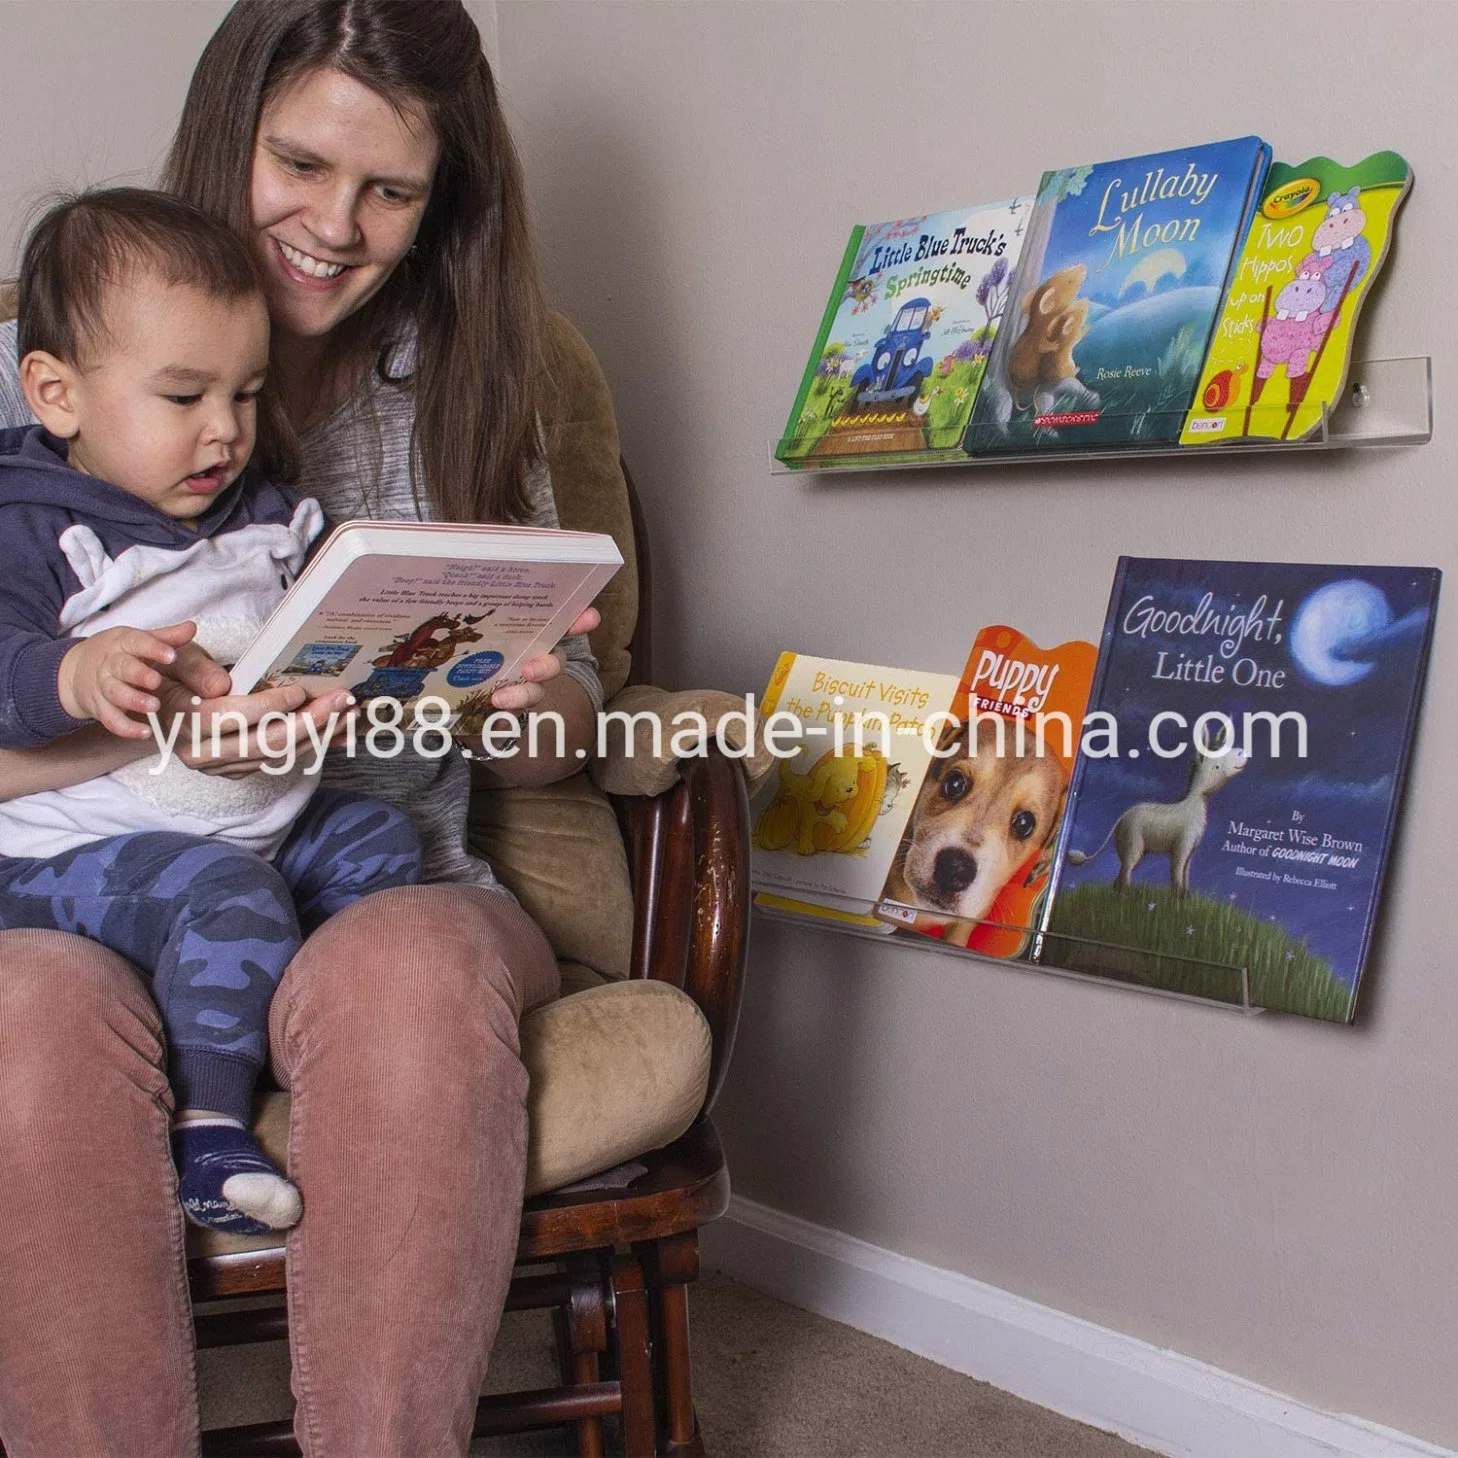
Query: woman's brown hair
{"type": "Point", "coordinates": [469, 289]}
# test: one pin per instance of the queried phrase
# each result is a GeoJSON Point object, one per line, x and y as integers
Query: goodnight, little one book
{"type": "Point", "coordinates": [1233, 806]}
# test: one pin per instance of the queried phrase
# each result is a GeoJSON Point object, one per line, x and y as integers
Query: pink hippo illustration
{"type": "Point", "coordinates": [1291, 335]}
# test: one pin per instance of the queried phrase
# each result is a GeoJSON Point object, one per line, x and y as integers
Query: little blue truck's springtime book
{"type": "Point", "coordinates": [1233, 804]}
{"type": "Point", "coordinates": [1278, 358]}
{"type": "Point", "coordinates": [905, 337]}
{"type": "Point", "coordinates": [1122, 275]}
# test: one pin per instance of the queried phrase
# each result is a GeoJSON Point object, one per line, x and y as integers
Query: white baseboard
{"type": "Point", "coordinates": [1158, 1399]}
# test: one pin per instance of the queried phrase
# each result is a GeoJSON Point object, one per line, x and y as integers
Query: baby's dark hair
{"type": "Point", "coordinates": [93, 242]}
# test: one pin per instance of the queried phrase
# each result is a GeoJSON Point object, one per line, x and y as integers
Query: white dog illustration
{"type": "Point", "coordinates": [1171, 828]}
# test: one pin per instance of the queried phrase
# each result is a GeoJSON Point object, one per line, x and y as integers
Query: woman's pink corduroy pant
{"type": "Point", "coordinates": [395, 1029]}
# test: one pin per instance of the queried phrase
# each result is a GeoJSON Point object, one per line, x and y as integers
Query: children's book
{"type": "Point", "coordinates": [1233, 805]}
{"type": "Point", "coordinates": [415, 609]}
{"type": "Point", "coordinates": [1121, 278]}
{"type": "Point", "coordinates": [828, 821]}
{"type": "Point", "coordinates": [1279, 355]}
{"type": "Point", "coordinates": [972, 867]}
{"type": "Point", "coordinates": [905, 337]}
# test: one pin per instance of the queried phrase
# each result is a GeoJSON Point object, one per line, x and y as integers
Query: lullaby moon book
{"type": "Point", "coordinates": [1118, 286]}
{"type": "Point", "coordinates": [409, 610]}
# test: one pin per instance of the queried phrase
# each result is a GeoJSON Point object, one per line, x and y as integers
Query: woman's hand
{"type": "Point", "coordinates": [204, 739]}
{"type": "Point", "coordinates": [538, 760]}
{"type": "Point", "coordinates": [536, 672]}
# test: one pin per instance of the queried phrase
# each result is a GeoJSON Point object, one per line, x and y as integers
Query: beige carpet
{"type": "Point", "coordinates": [770, 1381]}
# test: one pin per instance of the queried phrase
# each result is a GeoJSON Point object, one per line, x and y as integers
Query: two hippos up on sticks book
{"type": "Point", "coordinates": [1279, 356]}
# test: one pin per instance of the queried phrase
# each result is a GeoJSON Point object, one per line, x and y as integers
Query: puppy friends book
{"type": "Point", "coordinates": [1278, 358]}
{"type": "Point", "coordinates": [1233, 804]}
{"type": "Point", "coordinates": [408, 610]}
{"type": "Point", "coordinates": [1122, 273]}
{"type": "Point", "coordinates": [973, 862]}
{"type": "Point", "coordinates": [905, 338]}
{"type": "Point", "coordinates": [827, 823]}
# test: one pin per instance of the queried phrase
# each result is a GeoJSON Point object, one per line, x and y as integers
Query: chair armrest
{"type": "Point", "coordinates": [688, 849]}
{"type": "Point", "coordinates": [650, 733]}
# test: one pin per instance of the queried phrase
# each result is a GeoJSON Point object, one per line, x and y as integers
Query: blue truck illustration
{"type": "Point", "coordinates": [898, 364]}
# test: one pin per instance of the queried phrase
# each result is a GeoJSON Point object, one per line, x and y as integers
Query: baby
{"type": "Point", "coordinates": [127, 516]}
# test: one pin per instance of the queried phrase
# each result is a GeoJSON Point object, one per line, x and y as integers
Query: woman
{"type": "Point", "coordinates": [359, 147]}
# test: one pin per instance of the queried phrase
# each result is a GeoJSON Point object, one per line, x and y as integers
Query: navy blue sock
{"type": "Point", "coordinates": [228, 1183]}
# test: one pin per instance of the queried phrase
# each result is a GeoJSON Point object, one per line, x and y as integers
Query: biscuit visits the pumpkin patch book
{"type": "Point", "coordinates": [827, 823]}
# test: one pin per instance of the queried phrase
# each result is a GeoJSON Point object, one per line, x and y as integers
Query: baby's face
{"type": "Point", "coordinates": [166, 407]}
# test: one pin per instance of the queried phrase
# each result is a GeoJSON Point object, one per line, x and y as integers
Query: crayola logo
{"type": "Point", "coordinates": [1285, 202]}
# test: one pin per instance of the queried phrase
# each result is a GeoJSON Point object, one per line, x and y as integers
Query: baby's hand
{"type": "Point", "coordinates": [109, 676]}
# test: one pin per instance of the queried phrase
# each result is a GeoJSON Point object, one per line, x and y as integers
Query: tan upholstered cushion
{"type": "Point", "coordinates": [587, 480]}
{"type": "Point", "coordinates": [685, 718]}
{"type": "Point", "coordinates": [577, 978]}
{"type": "Point", "coordinates": [558, 848]}
{"type": "Point", "coordinates": [616, 1070]}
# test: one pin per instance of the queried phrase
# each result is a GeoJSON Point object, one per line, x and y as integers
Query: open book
{"type": "Point", "coordinates": [413, 609]}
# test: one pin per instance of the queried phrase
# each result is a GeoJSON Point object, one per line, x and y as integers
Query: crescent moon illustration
{"type": "Point", "coordinates": [1161, 264]}
{"type": "Point", "coordinates": [1334, 626]}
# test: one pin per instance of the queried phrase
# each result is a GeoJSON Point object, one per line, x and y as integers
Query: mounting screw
{"type": "Point", "coordinates": [1361, 396]}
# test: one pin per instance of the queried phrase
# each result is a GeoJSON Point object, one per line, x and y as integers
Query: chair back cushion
{"type": "Point", "coordinates": [587, 478]}
{"type": "Point", "coordinates": [558, 849]}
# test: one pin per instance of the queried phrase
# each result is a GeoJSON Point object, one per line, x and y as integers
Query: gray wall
{"type": "Point", "coordinates": [1267, 1194]}
{"type": "Point", "coordinates": [92, 90]}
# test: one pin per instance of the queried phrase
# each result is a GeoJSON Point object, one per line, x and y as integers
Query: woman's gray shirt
{"type": "Point", "coordinates": [357, 463]}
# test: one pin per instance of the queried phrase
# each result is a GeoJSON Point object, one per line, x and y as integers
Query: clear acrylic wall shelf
{"type": "Point", "coordinates": [1232, 979]}
{"type": "Point", "coordinates": [1386, 402]}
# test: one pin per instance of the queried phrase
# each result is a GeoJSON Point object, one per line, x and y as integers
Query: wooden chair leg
{"type": "Point", "coordinates": [582, 1338]}
{"type": "Point", "coordinates": [671, 1264]}
{"type": "Point", "coordinates": [634, 1354]}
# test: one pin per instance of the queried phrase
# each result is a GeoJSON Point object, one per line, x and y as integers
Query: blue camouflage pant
{"type": "Point", "coordinates": [213, 925]}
